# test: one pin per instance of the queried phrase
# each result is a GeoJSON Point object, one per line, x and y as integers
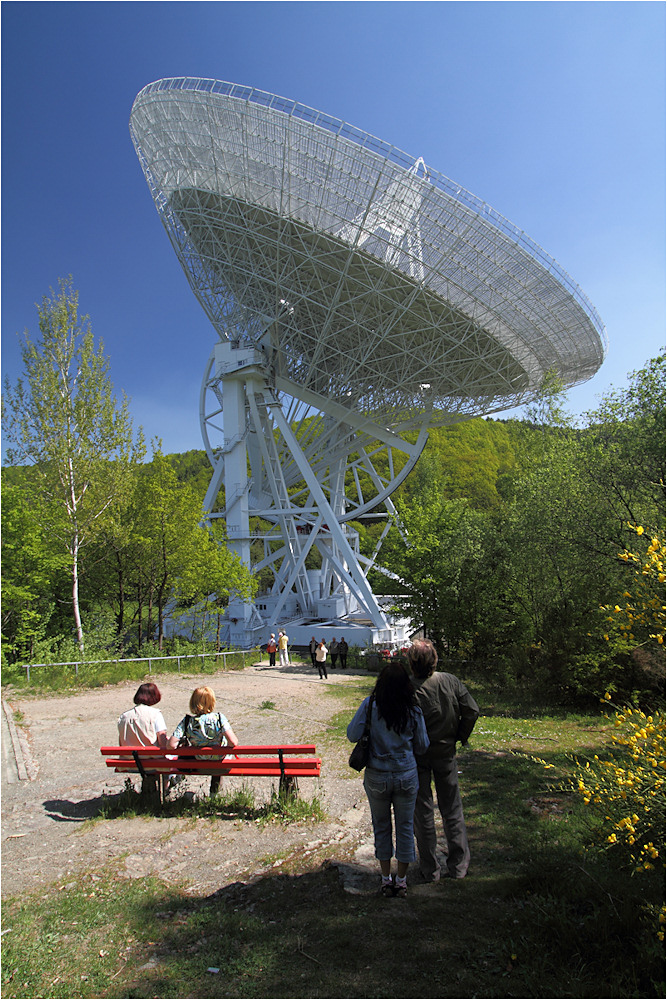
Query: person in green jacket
{"type": "Point", "coordinates": [450, 713]}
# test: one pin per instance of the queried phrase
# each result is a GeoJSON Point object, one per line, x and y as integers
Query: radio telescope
{"type": "Point", "coordinates": [359, 297]}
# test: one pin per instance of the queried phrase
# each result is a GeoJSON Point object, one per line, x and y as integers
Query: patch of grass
{"type": "Point", "coordinates": [267, 704]}
{"type": "Point", "coordinates": [352, 691]}
{"type": "Point", "coordinates": [286, 808]}
{"type": "Point", "coordinates": [301, 935]}
{"type": "Point", "coordinates": [238, 804]}
{"type": "Point", "coordinates": [60, 679]}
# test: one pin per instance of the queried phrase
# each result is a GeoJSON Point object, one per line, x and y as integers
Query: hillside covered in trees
{"type": "Point", "coordinates": [531, 549]}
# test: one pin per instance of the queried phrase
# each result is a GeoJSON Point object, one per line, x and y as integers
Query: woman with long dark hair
{"type": "Point", "coordinates": [397, 733]}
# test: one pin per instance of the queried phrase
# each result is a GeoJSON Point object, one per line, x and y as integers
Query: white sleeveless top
{"type": "Point", "coordinates": [140, 726]}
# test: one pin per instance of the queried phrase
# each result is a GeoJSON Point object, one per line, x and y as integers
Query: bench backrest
{"type": "Point", "coordinates": [286, 760]}
{"type": "Point", "coordinates": [298, 749]}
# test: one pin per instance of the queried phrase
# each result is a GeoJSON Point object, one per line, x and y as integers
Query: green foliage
{"type": "Point", "coordinates": [523, 602]}
{"type": "Point", "coordinates": [471, 458]}
{"type": "Point", "coordinates": [33, 569]}
{"type": "Point", "coordinates": [625, 790]}
{"type": "Point", "coordinates": [192, 467]}
{"type": "Point", "coordinates": [627, 453]}
{"type": "Point", "coordinates": [443, 544]}
{"type": "Point", "coordinates": [241, 803]}
{"type": "Point", "coordinates": [64, 421]}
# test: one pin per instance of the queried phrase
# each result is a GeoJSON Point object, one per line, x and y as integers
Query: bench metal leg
{"type": "Point", "coordinates": [151, 789]}
{"type": "Point", "coordinates": [152, 785]}
{"type": "Point", "coordinates": [289, 786]}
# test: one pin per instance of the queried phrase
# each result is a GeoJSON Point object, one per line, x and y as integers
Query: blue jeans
{"type": "Point", "coordinates": [383, 789]}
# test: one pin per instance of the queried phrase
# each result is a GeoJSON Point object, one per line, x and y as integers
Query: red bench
{"type": "Point", "coordinates": [287, 762]}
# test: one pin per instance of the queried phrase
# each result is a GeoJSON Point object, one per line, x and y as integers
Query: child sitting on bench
{"type": "Point", "coordinates": [204, 728]}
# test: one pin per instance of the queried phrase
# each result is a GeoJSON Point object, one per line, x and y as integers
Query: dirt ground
{"type": "Point", "coordinates": [45, 837]}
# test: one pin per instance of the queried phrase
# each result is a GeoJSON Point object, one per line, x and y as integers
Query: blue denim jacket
{"type": "Point", "coordinates": [390, 751]}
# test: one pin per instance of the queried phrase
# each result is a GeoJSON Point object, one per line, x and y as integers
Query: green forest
{"type": "Point", "coordinates": [534, 555]}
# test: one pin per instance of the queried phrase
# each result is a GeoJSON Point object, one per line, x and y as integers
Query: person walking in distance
{"type": "Point", "coordinates": [321, 659]}
{"type": "Point", "coordinates": [271, 650]}
{"type": "Point", "coordinates": [313, 650]}
{"type": "Point", "coordinates": [342, 652]}
{"type": "Point", "coordinates": [450, 713]}
{"type": "Point", "coordinates": [283, 639]}
{"type": "Point", "coordinates": [333, 652]}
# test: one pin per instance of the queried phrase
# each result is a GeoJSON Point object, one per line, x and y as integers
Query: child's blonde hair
{"type": "Point", "coordinates": [202, 701]}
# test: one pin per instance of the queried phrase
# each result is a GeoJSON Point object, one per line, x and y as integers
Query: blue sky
{"type": "Point", "coordinates": [553, 113]}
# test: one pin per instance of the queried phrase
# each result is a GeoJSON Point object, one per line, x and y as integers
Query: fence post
{"type": "Point", "coordinates": [26, 667]}
{"type": "Point", "coordinates": [76, 669]}
{"type": "Point", "coordinates": [149, 665]}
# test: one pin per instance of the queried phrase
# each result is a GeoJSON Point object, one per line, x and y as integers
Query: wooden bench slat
{"type": "Point", "coordinates": [273, 772]}
{"type": "Point", "coordinates": [257, 764]}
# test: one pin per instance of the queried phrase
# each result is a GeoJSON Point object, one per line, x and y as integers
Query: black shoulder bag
{"type": "Point", "coordinates": [184, 741]}
{"type": "Point", "coordinates": [361, 753]}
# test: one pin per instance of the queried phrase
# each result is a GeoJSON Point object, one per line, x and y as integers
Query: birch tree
{"type": "Point", "coordinates": [63, 418]}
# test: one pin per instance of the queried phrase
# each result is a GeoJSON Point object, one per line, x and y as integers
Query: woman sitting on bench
{"type": "Point", "coordinates": [204, 728]}
{"type": "Point", "coordinates": [144, 726]}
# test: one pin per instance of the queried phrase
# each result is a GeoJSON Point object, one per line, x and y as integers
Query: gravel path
{"type": "Point", "coordinates": [45, 837]}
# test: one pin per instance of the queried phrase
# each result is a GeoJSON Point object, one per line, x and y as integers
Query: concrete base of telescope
{"type": "Point", "coordinates": [357, 630]}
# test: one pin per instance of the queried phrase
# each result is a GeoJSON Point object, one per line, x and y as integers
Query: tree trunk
{"type": "Point", "coordinates": [120, 617]}
{"type": "Point", "coordinates": [75, 593]}
{"type": "Point", "coordinates": [149, 626]}
{"type": "Point", "coordinates": [160, 612]}
{"type": "Point", "coordinates": [72, 508]}
{"type": "Point", "coordinates": [140, 611]}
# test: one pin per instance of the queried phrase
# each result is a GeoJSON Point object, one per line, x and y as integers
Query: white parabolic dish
{"type": "Point", "coordinates": [382, 275]}
{"type": "Point", "coordinates": [359, 297]}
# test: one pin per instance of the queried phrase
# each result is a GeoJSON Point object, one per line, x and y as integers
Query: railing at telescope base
{"type": "Point", "coordinates": [143, 659]}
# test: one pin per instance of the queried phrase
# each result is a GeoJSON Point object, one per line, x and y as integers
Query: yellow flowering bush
{"type": "Point", "coordinates": [627, 790]}
{"type": "Point", "coordinates": [640, 618]}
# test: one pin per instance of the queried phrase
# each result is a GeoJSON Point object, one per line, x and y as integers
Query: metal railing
{"type": "Point", "coordinates": [143, 659]}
